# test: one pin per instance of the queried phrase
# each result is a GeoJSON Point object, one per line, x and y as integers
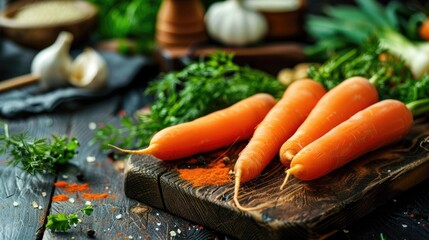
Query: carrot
{"type": "Point", "coordinates": [278, 125]}
{"type": "Point", "coordinates": [339, 104]}
{"type": "Point", "coordinates": [381, 124]}
{"type": "Point", "coordinates": [210, 132]}
{"type": "Point", "coordinates": [424, 30]}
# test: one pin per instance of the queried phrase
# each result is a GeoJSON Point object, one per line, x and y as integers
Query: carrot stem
{"type": "Point", "coordinates": [419, 107]}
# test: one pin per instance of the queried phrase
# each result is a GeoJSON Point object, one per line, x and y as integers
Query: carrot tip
{"type": "Point", "coordinates": [236, 191]}
{"type": "Point", "coordinates": [286, 179]}
{"type": "Point", "coordinates": [143, 151]}
{"type": "Point", "coordinates": [118, 148]}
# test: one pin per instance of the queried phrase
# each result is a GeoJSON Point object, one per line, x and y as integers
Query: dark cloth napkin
{"type": "Point", "coordinates": [16, 61]}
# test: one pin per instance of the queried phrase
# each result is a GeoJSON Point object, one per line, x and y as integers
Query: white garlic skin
{"type": "Point", "coordinates": [232, 23]}
{"type": "Point", "coordinates": [89, 70]}
{"type": "Point", "coordinates": [53, 64]}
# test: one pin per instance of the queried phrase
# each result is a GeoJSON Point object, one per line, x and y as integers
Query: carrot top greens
{"type": "Point", "coordinates": [389, 74]}
{"type": "Point", "coordinates": [200, 88]}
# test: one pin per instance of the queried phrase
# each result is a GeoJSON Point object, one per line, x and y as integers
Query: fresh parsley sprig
{"type": "Point", "coordinates": [37, 155]}
{"type": "Point", "coordinates": [62, 222]}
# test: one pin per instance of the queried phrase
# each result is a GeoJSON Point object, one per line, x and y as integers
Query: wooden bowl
{"type": "Point", "coordinates": [41, 35]}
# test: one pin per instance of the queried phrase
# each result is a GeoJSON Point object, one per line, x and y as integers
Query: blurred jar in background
{"type": "Point", "coordinates": [285, 17]}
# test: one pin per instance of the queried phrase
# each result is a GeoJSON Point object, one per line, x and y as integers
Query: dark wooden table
{"type": "Point", "coordinates": [118, 217]}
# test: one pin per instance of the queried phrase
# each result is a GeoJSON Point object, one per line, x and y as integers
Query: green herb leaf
{"type": "Point", "coordinates": [62, 222]}
{"type": "Point", "coordinates": [58, 222]}
{"type": "Point", "coordinates": [87, 210]}
{"type": "Point", "coordinates": [37, 155]}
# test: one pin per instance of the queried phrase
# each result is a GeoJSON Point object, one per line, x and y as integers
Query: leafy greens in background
{"type": "Point", "coordinates": [200, 88]}
{"type": "Point", "coordinates": [132, 19]}
{"type": "Point", "coordinates": [376, 42]}
{"type": "Point", "coordinates": [344, 27]}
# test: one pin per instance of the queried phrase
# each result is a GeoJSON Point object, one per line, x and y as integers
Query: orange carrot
{"type": "Point", "coordinates": [210, 132]}
{"type": "Point", "coordinates": [379, 125]}
{"type": "Point", "coordinates": [339, 104]}
{"type": "Point", "coordinates": [424, 30]}
{"type": "Point", "coordinates": [278, 125]}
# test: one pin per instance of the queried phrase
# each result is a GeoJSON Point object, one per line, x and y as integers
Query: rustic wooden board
{"type": "Point", "coordinates": [310, 209]}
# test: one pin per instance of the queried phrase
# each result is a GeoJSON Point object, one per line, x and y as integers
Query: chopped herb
{"type": "Point", "coordinates": [62, 222]}
{"type": "Point", "coordinates": [37, 155]}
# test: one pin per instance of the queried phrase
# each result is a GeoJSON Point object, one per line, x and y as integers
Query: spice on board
{"type": "Point", "coordinates": [60, 198]}
{"type": "Point", "coordinates": [72, 187]}
{"type": "Point", "coordinates": [95, 196]}
{"type": "Point", "coordinates": [215, 173]}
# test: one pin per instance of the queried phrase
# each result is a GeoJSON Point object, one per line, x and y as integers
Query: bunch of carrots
{"type": "Point", "coordinates": [312, 130]}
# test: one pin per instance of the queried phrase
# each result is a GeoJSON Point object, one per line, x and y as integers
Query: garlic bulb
{"type": "Point", "coordinates": [231, 23]}
{"type": "Point", "coordinates": [53, 64]}
{"type": "Point", "coordinates": [89, 70]}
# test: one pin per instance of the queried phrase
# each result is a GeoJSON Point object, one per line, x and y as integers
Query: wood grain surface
{"type": "Point", "coordinates": [312, 209]}
{"type": "Point", "coordinates": [115, 217]}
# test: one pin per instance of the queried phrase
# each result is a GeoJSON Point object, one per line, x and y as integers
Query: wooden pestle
{"type": "Point", "coordinates": [18, 82]}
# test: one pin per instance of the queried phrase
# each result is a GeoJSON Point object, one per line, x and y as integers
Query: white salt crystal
{"type": "Point", "coordinates": [92, 125]}
{"type": "Point", "coordinates": [90, 159]}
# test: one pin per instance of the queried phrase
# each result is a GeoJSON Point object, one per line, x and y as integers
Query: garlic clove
{"type": "Point", "coordinates": [53, 64]}
{"type": "Point", "coordinates": [89, 70]}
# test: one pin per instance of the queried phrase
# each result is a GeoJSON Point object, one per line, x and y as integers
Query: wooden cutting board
{"type": "Point", "coordinates": [303, 210]}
